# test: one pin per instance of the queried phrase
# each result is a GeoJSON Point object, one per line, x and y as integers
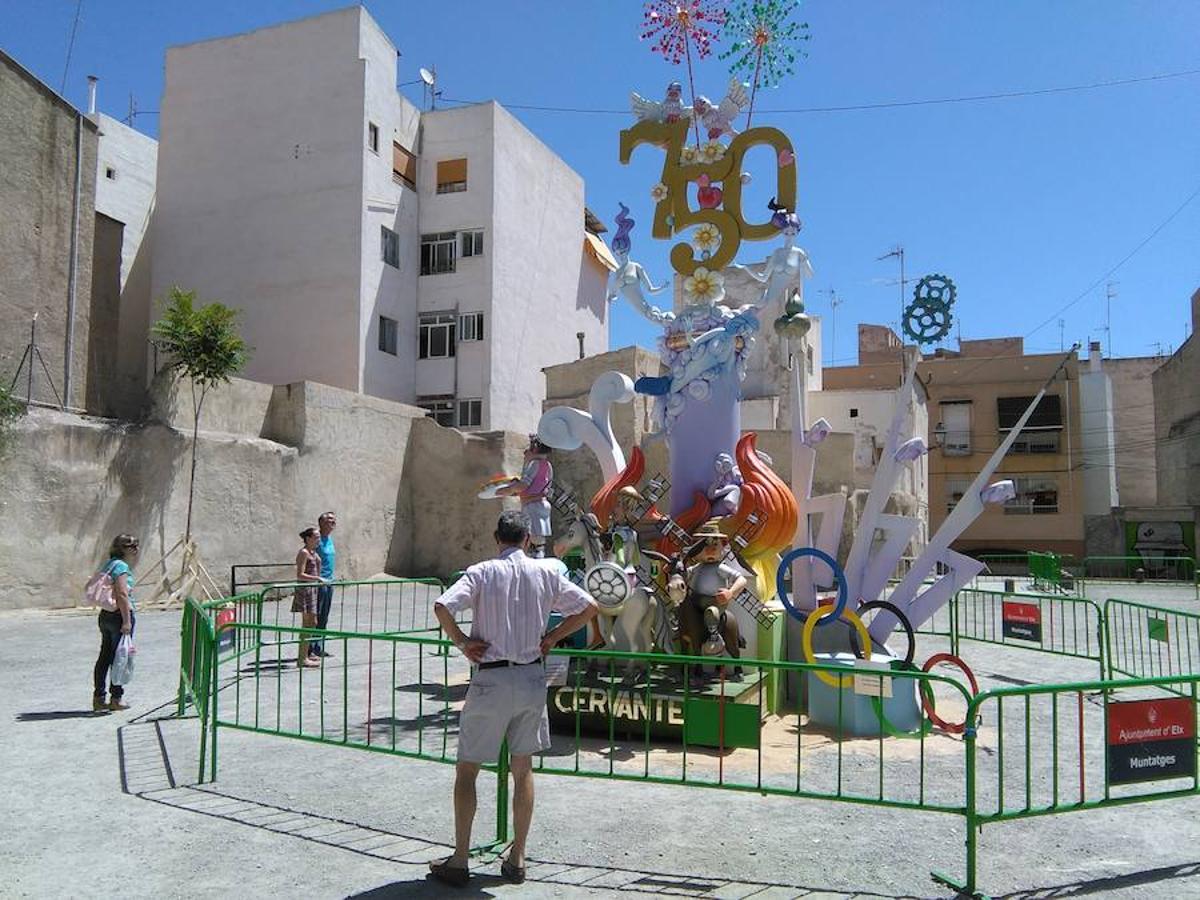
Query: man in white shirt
{"type": "Point", "coordinates": [511, 598]}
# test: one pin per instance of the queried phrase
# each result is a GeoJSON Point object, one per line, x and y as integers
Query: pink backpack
{"type": "Point", "coordinates": [99, 591]}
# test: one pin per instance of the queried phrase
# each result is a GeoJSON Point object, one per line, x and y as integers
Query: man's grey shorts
{"type": "Point", "coordinates": [505, 702]}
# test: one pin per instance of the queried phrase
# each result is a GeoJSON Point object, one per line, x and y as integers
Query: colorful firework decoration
{"type": "Point", "coordinates": [764, 42]}
{"type": "Point", "coordinates": [674, 25]}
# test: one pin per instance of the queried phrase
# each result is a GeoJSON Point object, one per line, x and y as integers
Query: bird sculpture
{"type": "Point", "coordinates": [670, 110]}
{"type": "Point", "coordinates": [719, 119]}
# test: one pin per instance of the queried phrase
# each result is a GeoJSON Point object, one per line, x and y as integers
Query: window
{"type": "Point", "coordinates": [373, 137]}
{"type": "Point", "coordinates": [470, 327]}
{"type": "Point", "coordinates": [955, 426]}
{"type": "Point", "coordinates": [387, 335]}
{"type": "Point", "coordinates": [470, 413]}
{"type": "Point", "coordinates": [390, 246]}
{"type": "Point", "coordinates": [436, 335]}
{"type": "Point", "coordinates": [437, 253]}
{"type": "Point", "coordinates": [1040, 434]}
{"type": "Point", "coordinates": [854, 412]}
{"type": "Point", "coordinates": [955, 489]}
{"type": "Point", "coordinates": [1035, 496]}
{"type": "Point", "coordinates": [441, 411]}
{"type": "Point", "coordinates": [110, 173]}
{"type": "Point", "coordinates": [451, 176]}
{"type": "Point", "coordinates": [404, 166]}
{"type": "Point", "coordinates": [472, 243]}
{"type": "Point", "coordinates": [809, 355]}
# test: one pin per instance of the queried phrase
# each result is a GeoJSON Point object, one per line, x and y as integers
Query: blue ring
{"type": "Point", "coordinates": [838, 575]}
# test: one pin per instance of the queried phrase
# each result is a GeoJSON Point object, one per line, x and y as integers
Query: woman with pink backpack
{"type": "Point", "coordinates": [116, 616]}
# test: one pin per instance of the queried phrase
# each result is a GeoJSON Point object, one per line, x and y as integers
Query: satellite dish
{"type": "Point", "coordinates": [426, 76]}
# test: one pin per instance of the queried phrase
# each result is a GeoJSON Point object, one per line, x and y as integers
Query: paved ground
{"type": "Point", "coordinates": [108, 804]}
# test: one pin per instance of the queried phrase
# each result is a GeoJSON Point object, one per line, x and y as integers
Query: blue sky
{"type": "Point", "coordinates": [1025, 202]}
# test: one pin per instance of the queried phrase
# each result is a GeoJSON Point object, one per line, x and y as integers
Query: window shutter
{"type": "Point", "coordinates": [404, 164]}
{"type": "Point", "coordinates": [451, 170]}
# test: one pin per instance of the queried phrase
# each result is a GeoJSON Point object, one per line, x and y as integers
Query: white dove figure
{"type": "Point", "coordinates": [671, 109]}
{"type": "Point", "coordinates": [719, 119]}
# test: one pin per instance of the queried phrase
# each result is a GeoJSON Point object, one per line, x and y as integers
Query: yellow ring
{"type": "Point", "coordinates": [834, 681]}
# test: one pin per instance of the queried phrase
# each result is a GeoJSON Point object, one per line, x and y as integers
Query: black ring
{"type": "Point", "coordinates": [900, 617]}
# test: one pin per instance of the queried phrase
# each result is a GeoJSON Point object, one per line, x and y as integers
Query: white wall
{"type": "Point", "coordinates": [1096, 438]}
{"type": "Point", "coordinates": [129, 197]}
{"type": "Point", "coordinates": [464, 133]}
{"type": "Point", "coordinates": [386, 290]}
{"type": "Point", "coordinates": [538, 253]}
{"type": "Point", "coordinates": [261, 186]}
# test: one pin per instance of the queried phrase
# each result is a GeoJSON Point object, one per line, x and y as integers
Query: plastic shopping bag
{"type": "Point", "coordinates": [122, 665]}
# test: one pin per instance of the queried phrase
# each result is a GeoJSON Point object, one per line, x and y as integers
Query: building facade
{"type": "Point", "coordinates": [435, 258]}
{"type": "Point", "coordinates": [46, 240]}
{"type": "Point", "coordinates": [975, 396]}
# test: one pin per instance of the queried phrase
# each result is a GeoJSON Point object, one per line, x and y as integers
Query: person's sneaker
{"type": "Point", "coordinates": [99, 704]}
{"type": "Point", "coordinates": [116, 704]}
{"type": "Point", "coordinates": [324, 653]}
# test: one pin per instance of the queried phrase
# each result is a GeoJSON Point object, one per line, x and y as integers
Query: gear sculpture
{"type": "Point", "coordinates": [928, 319]}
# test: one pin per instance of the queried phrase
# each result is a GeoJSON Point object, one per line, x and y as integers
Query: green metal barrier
{"type": "Point", "coordinates": [1062, 625]}
{"type": "Point", "coordinates": [197, 658]}
{"type": "Point", "coordinates": [396, 604]}
{"type": "Point", "coordinates": [1162, 569]}
{"type": "Point", "coordinates": [1025, 751]}
{"type": "Point", "coordinates": [1147, 641]}
{"type": "Point", "coordinates": [400, 694]}
{"type": "Point", "coordinates": [1045, 749]}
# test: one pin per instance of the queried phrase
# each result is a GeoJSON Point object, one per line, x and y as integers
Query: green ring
{"type": "Point", "coordinates": [891, 730]}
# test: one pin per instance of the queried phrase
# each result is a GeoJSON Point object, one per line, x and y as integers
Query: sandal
{"type": "Point", "coordinates": [455, 876]}
{"type": "Point", "coordinates": [511, 873]}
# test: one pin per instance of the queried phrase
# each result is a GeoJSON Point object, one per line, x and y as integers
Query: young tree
{"type": "Point", "coordinates": [203, 344]}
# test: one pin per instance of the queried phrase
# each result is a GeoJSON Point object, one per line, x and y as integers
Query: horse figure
{"type": "Point", "coordinates": [627, 610]}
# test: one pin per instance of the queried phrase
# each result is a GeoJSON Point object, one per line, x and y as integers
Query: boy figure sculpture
{"type": "Point", "coordinates": [708, 629]}
{"type": "Point", "coordinates": [511, 598]}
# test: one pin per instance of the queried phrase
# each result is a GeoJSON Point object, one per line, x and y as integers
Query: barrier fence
{"type": "Point", "coordinates": [1164, 569]}
{"type": "Point", "coordinates": [1023, 751]}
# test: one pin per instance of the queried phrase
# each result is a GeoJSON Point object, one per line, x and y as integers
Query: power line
{"type": "Point", "coordinates": [70, 45]}
{"type": "Point", "coordinates": [885, 104]}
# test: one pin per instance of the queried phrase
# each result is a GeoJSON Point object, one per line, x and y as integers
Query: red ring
{"type": "Point", "coordinates": [928, 707]}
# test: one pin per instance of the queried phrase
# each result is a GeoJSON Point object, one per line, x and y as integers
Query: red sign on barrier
{"type": "Point", "coordinates": [1021, 620]}
{"type": "Point", "coordinates": [225, 615]}
{"type": "Point", "coordinates": [1151, 739]}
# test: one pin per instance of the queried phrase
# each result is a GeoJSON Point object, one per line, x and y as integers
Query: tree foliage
{"type": "Point", "coordinates": [10, 409]}
{"type": "Point", "coordinates": [201, 343]}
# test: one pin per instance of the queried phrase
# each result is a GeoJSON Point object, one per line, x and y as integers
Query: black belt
{"type": "Point", "coordinates": [505, 663]}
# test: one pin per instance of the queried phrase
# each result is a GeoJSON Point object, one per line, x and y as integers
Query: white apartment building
{"type": "Point", "coordinates": [436, 258]}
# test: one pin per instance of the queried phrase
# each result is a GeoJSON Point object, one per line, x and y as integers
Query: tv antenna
{"type": "Point", "coordinates": [427, 78]}
{"type": "Point", "coordinates": [834, 303]}
{"type": "Point", "coordinates": [1062, 324]}
{"type": "Point", "coordinates": [1110, 291]}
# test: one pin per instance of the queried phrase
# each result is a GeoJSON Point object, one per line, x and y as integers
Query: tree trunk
{"type": "Point", "coordinates": [196, 406]}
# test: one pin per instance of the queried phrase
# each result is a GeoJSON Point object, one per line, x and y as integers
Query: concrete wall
{"type": "Point", "coordinates": [260, 190]}
{"type": "Point", "coordinates": [1133, 428]}
{"type": "Point", "coordinates": [39, 132]}
{"type": "Point", "coordinates": [126, 179]}
{"type": "Point", "coordinates": [78, 481]}
{"type": "Point", "coordinates": [1177, 426]}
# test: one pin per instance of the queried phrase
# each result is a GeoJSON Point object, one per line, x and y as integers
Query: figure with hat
{"type": "Point", "coordinates": [707, 627]}
{"type": "Point", "coordinates": [533, 487]}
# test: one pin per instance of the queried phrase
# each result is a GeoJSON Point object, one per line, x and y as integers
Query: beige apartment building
{"type": "Point", "coordinates": [975, 395]}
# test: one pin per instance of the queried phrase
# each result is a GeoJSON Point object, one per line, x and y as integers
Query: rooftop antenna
{"type": "Point", "coordinates": [1110, 291]}
{"type": "Point", "coordinates": [834, 303]}
{"type": "Point", "coordinates": [1062, 323]}
{"type": "Point", "coordinates": [429, 80]}
{"type": "Point", "coordinates": [898, 252]}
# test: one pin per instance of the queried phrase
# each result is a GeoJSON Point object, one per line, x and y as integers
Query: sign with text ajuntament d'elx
{"type": "Point", "coordinates": [1150, 740]}
{"type": "Point", "coordinates": [1021, 620]}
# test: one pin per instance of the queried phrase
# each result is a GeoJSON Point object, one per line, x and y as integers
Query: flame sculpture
{"type": "Point", "coordinates": [765, 495]}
